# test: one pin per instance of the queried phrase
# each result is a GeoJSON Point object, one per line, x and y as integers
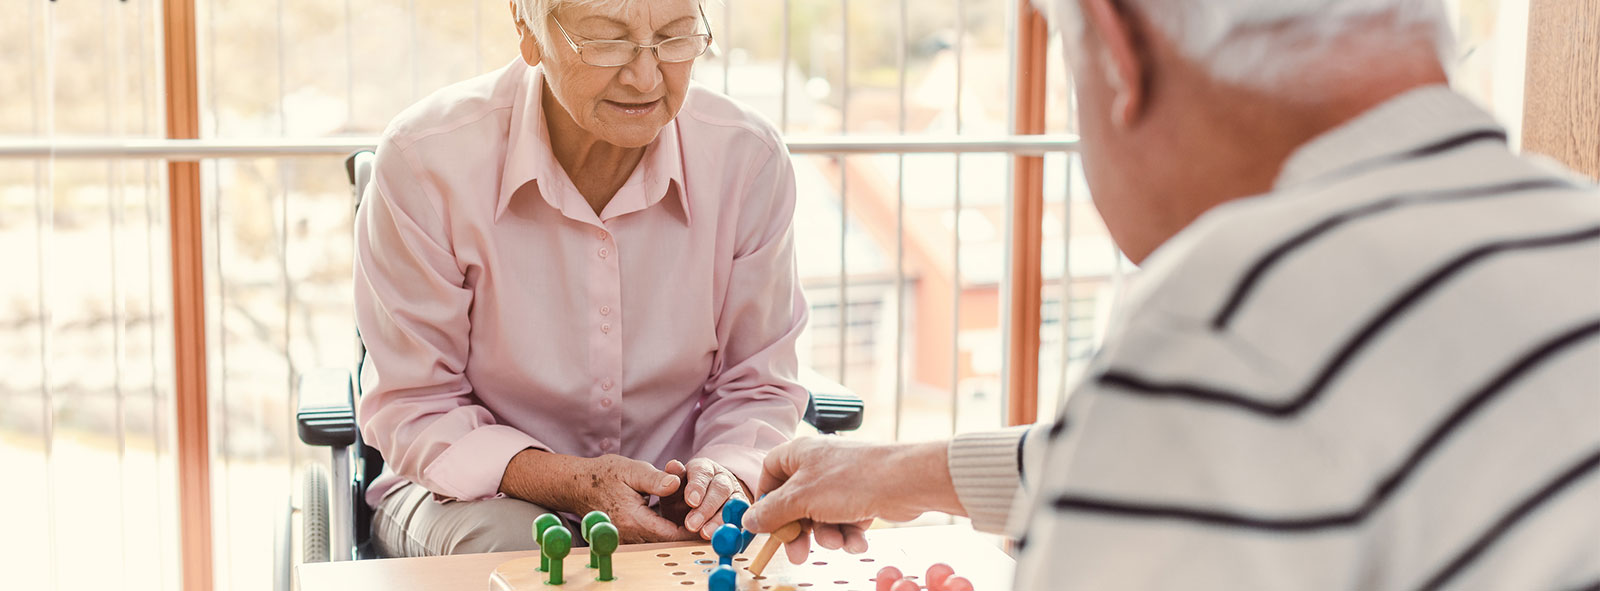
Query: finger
{"type": "Point", "coordinates": [710, 528]}
{"type": "Point", "coordinates": [710, 507]}
{"type": "Point", "coordinates": [651, 527]}
{"type": "Point", "coordinates": [674, 468]}
{"type": "Point", "coordinates": [700, 471]}
{"type": "Point", "coordinates": [646, 479]}
{"type": "Point", "coordinates": [771, 512]}
{"type": "Point", "coordinates": [800, 549]}
{"type": "Point", "coordinates": [855, 538]}
{"type": "Point", "coordinates": [777, 468]}
{"type": "Point", "coordinates": [828, 535]}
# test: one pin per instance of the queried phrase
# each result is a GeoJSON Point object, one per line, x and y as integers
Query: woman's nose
{"type": "Point", "coordinates": [644, 72]}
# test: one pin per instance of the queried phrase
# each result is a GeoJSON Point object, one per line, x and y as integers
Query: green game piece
{"type": "Point", "coordinates": [555, 545]}
{"type": "Point", "coordinates": [541, 523]}
{"type": "Point", "coordinates": [589, 521]}
{"type": "Point", "coordinates": [603, 541]}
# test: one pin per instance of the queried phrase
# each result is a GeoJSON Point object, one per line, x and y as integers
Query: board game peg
{"type": "Point", "coordinates": [936, 576]}
{"type": "Point", "coordinates": [724, 579]}
{"type": "Point", "coordinates": [778, 538]}
{"type": "Point", "coordinates": [726, 542]}
{"type": "Point", "coordinates": [733, 512]}
{"type": "Point", "coordinates": [541, 523]}
{"type": "Point", "coordinates": [589, 521]}
{"type": "Point", "coordinates": [555, 545]}
{"type": "Point", "coordinates": [905, 585]}
{"type": "Point", "coordinates": [957, 584]}
{"type": "Point", "coordinates": [603, 540]}
{"type": "Point", "coordinates": [887, 576]}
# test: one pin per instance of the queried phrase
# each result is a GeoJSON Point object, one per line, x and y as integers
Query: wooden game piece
{"type": "Point", "coordinates": [726, 542]}
{"type": "Point", "coordinates": [603, 540]}
{"type": "Point", "coordinates": [723, 579]}
{"type": "Point", "coordinates": [541, 523]}
{"type": "Point", "coordinates": [555, 545]}
{"type": "Point", "coordinates": [887, 576]}
{"type": "Point", "coordinates": [957, 584]}
{"type": "Point", "coordinates": [905, 585]}
{"type": "Point", "coordinates": [778, 538]}
{"type": "Point", "coordinates": [936, 576]}
{"type": "Point", "coordinates": [589, 521]}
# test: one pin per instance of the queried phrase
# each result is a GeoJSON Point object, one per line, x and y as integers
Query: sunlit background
{"type": "Point", "coordinates": [908, 315]}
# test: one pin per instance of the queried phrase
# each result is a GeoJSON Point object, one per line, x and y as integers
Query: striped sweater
{"type": "Point", "coordinates": [1384, 374]}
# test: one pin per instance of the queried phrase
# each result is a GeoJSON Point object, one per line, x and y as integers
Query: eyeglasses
{"type": "Point", "coordinates": [619, 52]}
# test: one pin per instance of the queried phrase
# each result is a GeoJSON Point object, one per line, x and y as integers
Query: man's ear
{"type": "Point", "coordinates": [1122, 58]}
{"type": "Point", "coordinates": [529, 44]}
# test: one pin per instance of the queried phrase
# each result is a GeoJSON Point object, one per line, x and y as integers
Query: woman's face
{"type": "Point", "coordinates": [626, 105]}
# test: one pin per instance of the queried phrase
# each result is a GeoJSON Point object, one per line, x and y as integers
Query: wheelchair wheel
{"type": "Point", "coordinates": [314, 517]}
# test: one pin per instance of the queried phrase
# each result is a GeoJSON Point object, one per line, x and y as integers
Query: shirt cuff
{"type": "Point", "coordinates": [744, 462]}
{"type": "Point", "coordinates": [471, 469]}
{"type": "Point", "coordinates": [987, 474]}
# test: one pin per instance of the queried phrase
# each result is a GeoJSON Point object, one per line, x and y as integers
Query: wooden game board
{"type": "Point", "coordinates": [911, 549]}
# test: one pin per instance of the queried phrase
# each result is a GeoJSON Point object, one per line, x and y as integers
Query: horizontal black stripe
{"type": "Point", "coordinates": [1510, 520]}
{"type": "Point", "coordinates": [1128, 382]}
{"type": "Point", "coordinates": [1385, 487]}
{"type": "Point", "coordinates": [1445, 145]}
{"type": "Point", "coordinates": [1254, 274]}
{"type": "Point", "coordinates": [1595, 586]}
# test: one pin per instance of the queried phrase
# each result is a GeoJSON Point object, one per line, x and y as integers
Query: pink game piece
{"type": "Point", "coordinates": [937, 574]}
{"type": "Point", "coordinates": [905, 585]}
{"type": "Point", "coordinates": [957, 584]}
{"type": "Point", "coordinates": [887, 576]}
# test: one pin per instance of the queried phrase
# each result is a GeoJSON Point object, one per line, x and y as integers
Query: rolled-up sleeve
{"type": "Point", "coordinates": [412, 310]}
{"type": "Point", "coordinates": [754, 401]}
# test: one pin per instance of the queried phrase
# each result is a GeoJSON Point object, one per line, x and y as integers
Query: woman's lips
{"type": "Point", "coordinates": [634, 109]}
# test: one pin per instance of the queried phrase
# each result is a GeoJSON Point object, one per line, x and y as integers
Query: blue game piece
{"type": "Point", "coordinates": [726, 542]}
{"type": "Point", "coordinates": [724, 579]}
{"type": "Point", "coordinates": [744, 541]}
{"type": "Point", "coordinates": [733, 512]}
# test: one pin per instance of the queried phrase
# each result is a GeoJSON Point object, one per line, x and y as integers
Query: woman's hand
{"type": "Point", "coordinates": [614, 484]}
{"type": "Point", "coordinates": [699, 507]}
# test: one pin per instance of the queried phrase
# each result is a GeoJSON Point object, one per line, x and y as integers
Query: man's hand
{"type": "Point", "coordinates": [836, 487]}
{"type": "Point", "coordinates": [612, 483]}
{"type": "Point", "coordinates": [709, 486]}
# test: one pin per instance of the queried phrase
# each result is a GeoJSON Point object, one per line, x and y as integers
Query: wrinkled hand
{"type": "Point", "coordinates": [617, 485]}
{"type": "Point", "coordinates": [836, 487]}
{"type": "Point", "coordinates": [699, 505]}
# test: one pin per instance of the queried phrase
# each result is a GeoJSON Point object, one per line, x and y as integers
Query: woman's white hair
{"type": "Point", "coordinates": [1263, 44]}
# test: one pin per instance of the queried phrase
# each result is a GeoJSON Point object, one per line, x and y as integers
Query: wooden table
{"type": "Point", "coordinates": [911, 549]}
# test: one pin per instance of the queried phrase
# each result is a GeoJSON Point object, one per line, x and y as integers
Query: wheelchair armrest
{"type": "Point", "coordinates": [833, 408]}
{"type": "Point", "coordinates": [327, 412]}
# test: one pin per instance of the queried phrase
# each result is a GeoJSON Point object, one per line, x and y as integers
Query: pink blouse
{"type": "Point", "coordinates": [500, 313]}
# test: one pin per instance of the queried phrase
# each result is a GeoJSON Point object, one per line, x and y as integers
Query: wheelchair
{"type": "Point", "coordinates": [336, 521]}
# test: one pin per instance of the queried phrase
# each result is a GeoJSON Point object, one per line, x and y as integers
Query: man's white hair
{"type": "Point", "coordinates": [1263, 43]}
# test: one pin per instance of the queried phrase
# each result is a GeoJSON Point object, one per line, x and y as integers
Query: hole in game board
{"type": "Point", "coordinates": [703, 561]}
{"type": "Point", "coordinates": [740, 559]}
{"type": "Point", "coordinates": [662, 555]}
{"type": "Point", "coordinates": [669, 564]}
{"type": "Point", "coordinates": [679, 573]}
{"type": "Point", "coordinates": [820, 563]}
{"type": "Point", "coordinates": [841, 582]}
{"type": "Point", "coordinates": [866, 560]}
{"type": "Point", "coordinates": [698, 553]}
{"type": "Point", "coordinates": [688, 583]}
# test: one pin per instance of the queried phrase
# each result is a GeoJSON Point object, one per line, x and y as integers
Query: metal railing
{"type": "Point", "coordinates": [207, 149]}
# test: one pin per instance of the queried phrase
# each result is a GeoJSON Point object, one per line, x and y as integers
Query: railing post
{"type": "Point", "coordinates": [1025, 275]}
{"type": "Point", "coordinates": [188, 300]}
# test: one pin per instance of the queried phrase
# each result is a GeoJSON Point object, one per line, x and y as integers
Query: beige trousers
{"type": "Point", "coordinates": [408, 522]}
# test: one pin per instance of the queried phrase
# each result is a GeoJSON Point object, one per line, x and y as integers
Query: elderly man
{"type": "Point", "coordinates": [575, 280]}
{"type": "Point", "coordinates": [1363, 353]}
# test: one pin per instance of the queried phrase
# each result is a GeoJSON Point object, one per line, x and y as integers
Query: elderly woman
{"type": "Point", "coordinates": [575, 280]}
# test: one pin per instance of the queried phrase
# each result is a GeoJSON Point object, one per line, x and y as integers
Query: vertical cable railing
{"type": "Point", "coordinates": [900, 238]}
{"type": "Point", "coordinates": [955, 206]}
{"type": "Point", "coordinates": [844, 195]}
